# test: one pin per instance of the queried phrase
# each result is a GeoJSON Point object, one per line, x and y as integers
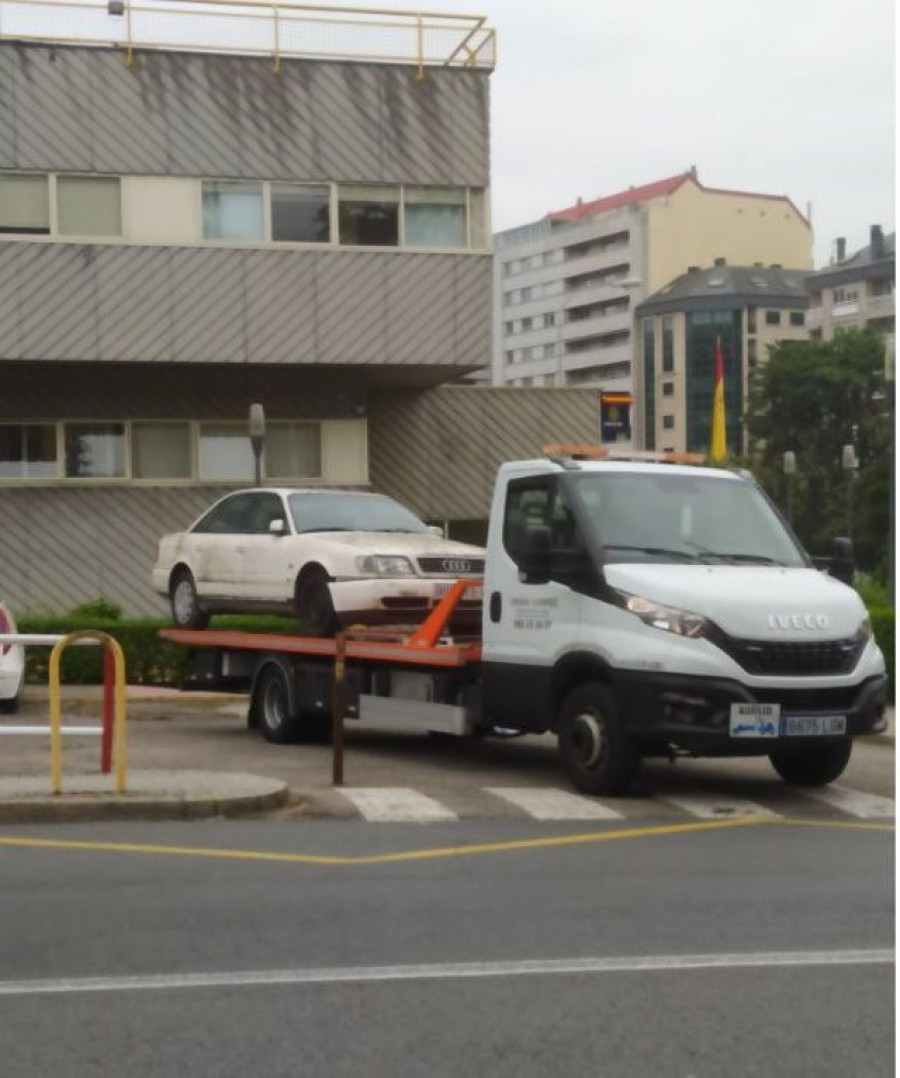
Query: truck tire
{"type": "Point", "coordinates": [597, 755]}
{"type": "Point", "coordinates": [186, 610]}
{"type": "Point", "coordinates": [812, 765]}
{"type": "Point", "coordinates": [10, 705]}
{"type": "Point", "coordinates": [314, 606]}
{"type": "Point", "coordinates": [272, 706]}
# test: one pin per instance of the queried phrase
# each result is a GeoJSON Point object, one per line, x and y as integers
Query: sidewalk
{"type": "Point", "coordinates": [159, 792]}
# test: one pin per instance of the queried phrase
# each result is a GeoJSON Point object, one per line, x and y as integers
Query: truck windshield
{"type": "Point", "coordinates": [656, 516]}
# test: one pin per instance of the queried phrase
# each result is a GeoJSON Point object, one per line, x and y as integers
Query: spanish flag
{"type": "Point", "coordinates": [718, 449]}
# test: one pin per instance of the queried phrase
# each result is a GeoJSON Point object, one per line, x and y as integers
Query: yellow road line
{"type": "Point", "coordinates": [549, 842]}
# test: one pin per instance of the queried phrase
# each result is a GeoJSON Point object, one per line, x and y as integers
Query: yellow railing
{"type": "Point", "coordinates": [256, 27]}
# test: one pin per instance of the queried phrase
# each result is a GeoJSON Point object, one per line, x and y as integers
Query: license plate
{"type": "Point", "coordinates": [474, 593]}
{"type": "Point", "coordinates": [814, 725]}
{"type": "Point", "coordinates": [754, 720]}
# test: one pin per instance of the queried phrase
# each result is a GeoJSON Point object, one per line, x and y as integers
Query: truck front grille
{"type": "Point", "coordinates": [796, 660]}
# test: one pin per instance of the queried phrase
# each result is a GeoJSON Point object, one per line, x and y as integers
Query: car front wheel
{"type": "Point", "coordinates": [314, 606]}
{"type": "Point", "coordinates": [186, 610]}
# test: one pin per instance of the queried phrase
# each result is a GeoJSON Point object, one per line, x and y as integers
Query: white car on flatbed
{"type": "Point", "coordinates": [329, 557]}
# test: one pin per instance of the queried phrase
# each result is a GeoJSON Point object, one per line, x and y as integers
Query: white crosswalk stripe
{"type": "Point", "coordinates": [396, 804]}
{"type": "Point", "coordinates": [855, 802]}
{"type": "Point", "coordinates": [543, 803]}
{"type": "Point", "coordinates": [716, 808]}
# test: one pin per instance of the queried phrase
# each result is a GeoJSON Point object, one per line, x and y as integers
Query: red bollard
{"type": "Point", "coordinates": [109, 679]}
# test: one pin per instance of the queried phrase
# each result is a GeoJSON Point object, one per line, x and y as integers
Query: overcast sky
{"type": "Point", "coordinates": [787, 97]}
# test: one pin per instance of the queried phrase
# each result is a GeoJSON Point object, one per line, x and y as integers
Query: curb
{"type": "Point", "coordinates": [89, 806]}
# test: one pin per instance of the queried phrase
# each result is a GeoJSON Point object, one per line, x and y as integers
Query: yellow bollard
{"type": "Point", "coordinates": [121, 734]}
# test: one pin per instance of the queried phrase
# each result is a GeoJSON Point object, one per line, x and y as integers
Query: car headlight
{"type": "Point", "coordinates": [668, 618]}
{"type": "Point", "coordinates": [864, 632]}
{"type": "Point", "coordinates": [384, 565]}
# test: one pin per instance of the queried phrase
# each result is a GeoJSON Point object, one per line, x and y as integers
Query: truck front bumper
{"type": "Point", "coordinates": [693, 713]}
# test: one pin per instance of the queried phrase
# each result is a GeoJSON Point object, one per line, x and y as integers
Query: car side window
{"type": "Point", "coordinates": [233, 516]}
{"type": "Point", "coordinates": [265, 509]}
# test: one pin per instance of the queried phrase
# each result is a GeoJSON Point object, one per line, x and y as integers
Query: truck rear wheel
{"type": "Point", "coordinates": [597, 755]}
{"type": "Point", "coordinates": [812, 765]}
{"type": "Point", "coordinates": [272, 704]}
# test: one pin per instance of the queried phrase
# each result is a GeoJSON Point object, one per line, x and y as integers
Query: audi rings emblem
{"type": "Point", "coordinates": [456, 565]}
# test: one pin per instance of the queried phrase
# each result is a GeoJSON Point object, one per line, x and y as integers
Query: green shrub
{"type": "Point", "coordinates": [883, 627]}
{"type": "Point", "coordinates": [149, 659]}
{"type": "Point", "coordinates": [96, 610]}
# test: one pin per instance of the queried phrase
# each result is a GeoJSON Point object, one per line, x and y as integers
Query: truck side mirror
{"type": "Point", "coordinates": [842, 567]}
{"type": "Point", "coordinates": [533, 557]}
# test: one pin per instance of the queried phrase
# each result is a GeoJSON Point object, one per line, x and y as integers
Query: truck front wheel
{"type": "Point", "coordinates": [272, 705]}
{"type": "Point", "coordinates": [597, 755]}
{"type": "Point", "coordinates": [812, 765]}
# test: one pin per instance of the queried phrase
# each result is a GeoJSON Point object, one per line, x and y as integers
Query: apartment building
{"type": "Point", "coordinates": [747, 310]}
{"type": "Point", "coordinates": [855, 292]}
{"type": "Point", "coordinates": [188, 227]}
{"type": "Point", "coordinates": [565, 287]}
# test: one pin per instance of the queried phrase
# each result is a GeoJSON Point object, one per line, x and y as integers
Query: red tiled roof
{"type": "Point", "coordinates": [653, 190]}
{"type": "Point", "coordinates": [623, 198]}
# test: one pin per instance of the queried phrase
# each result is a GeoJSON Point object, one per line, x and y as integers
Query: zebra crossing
{"type": "Point", "coordinates": [407, 805]}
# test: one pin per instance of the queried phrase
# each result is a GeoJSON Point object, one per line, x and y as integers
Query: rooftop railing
{"type": "Point", "coordinates": [274, 28]}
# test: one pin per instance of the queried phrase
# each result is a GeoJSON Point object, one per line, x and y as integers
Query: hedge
{"type": "Point", "coordinates": [149, 659]}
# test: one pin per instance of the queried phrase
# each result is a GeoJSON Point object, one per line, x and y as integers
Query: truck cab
{"type": "Point", "coordinates": [655, 607]}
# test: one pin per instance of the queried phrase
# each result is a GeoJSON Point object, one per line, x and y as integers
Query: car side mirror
{"type": "Point", "coordinates": [276, 527]}
{"type": "Point", "coordinates": [842, 565]}
{"type": "Point", "coordinates": [534, 555]}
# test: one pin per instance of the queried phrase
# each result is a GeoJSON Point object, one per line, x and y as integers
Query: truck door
{"type": "Point", "coordinates": [530, 617]}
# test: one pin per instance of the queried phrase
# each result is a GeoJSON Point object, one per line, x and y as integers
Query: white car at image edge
{"type": "Point", "coordinates": [331, 558]}
{"type": "Point", "coordinates": [12, 665]}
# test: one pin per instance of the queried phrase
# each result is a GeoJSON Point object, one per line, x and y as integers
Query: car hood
{"type": "Point", "coordinates": [410, 545]}
{"type": "Point", "coordinates": [750, 602]}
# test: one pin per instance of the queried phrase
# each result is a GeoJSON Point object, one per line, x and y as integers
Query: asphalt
{"type": "Point", "coordinates": [152, 793]}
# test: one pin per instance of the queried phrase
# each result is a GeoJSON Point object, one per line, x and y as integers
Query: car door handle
{"type": "Point", "coordinates": [496, 606]}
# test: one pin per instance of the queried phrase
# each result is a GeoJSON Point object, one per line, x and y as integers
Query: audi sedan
{"type": "Point", "coordinates": [331, 558]}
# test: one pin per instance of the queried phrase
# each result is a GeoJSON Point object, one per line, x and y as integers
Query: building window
{"type": "Point", "coordinates": [232, 211]}
{"type": "Point", "coordinates": [434, 216]}
{"type": "Point", "coordinates": [25, 205]}
{"type": "Point", "coordinates": [773, 318]}
{"type": "Point", "coordinates": [668, 422]}
{"type": "Point", "coordinates": [28, 451]}
{"type": "Point", "coordinates": [300, 213]}
{"type": "Point", "coordinates": [89, 205]}
{"type": "Point", "coordinates": [550, 318]}
{"type": "Point", "coordinates": [293, 451]}
{"type": "Point", "coordinates": [95, 450]}
{"type": "Point", "coordinates": [526, 324]}
{"type": "Point", "coordinates": [369, 216]}
{"type": "Point", "coordinates": [751, 319]}
{"type": "Point", "coordinates": [668, 345]}
{"type": "Point", "coordinates": [161, 451]}
{"type": "Point", "coordinates": [224, 452]}
{"type": "Point", "coordinates": [798, 318]}
{"type": "Point", "coordinates": [751, 353]}
{"type": "Point", "coordinates": [668, 389]}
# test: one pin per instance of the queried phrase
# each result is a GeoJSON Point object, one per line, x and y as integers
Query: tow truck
{"type": "Point", "coordinates": [635, 605]}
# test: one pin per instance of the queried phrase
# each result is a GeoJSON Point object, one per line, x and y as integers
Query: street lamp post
{"type": "Point", "coordinates": [790, 470]}
{"type": "Point", "coordinates": [850, 464]}
{"type": "Point", "coordinates": [257, 429]}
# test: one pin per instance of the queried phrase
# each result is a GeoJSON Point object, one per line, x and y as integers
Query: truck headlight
{"type": "Point", "coordinates": [384, 565]}
{"type": "Point", "coordinates": [668, 618]}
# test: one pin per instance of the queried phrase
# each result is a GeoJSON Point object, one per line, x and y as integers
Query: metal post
{"type": "Point", "coordinates": [849, 464]}
{"type": "Point", "coordinates": [257, 430]}
{"type": "Point", "coordinates": [790, 469]}
{"type": "Point", "coordinates": [337, 710]}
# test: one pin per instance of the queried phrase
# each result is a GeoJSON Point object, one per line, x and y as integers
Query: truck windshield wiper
{"type": "Point", "coordinates": [665, 551]}
{"type": "Point", "coordinates": [752, 559]}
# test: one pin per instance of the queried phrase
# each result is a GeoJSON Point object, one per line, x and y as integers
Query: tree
{"type": "Point", "coordinates": [814, 397]}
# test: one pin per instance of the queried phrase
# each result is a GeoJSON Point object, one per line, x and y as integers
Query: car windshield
{"type": "Point", "coordinates": [351, 513]}
{"type": "Point", "coordinates": [662, 517]}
